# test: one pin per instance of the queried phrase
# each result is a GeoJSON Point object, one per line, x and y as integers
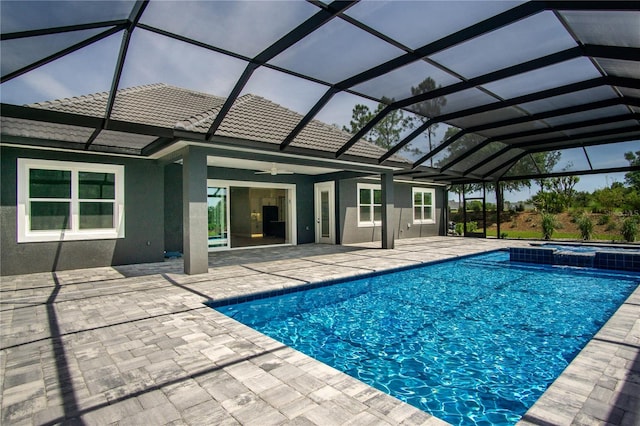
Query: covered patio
{"type": "Point", "coordinates": [136, 345]}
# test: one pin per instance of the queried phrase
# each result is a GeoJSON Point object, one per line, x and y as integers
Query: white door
{"type": "Point", "coordinates": [325, 212]}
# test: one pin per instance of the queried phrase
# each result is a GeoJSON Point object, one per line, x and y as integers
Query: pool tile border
{"type": "Point", "coordinates": [611, 260]}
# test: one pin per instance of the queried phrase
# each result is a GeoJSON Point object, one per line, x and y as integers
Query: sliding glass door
{"type": "Point", "coordinates": [217, 212]}
{"type": "Point", "coordinates": [246, 214]}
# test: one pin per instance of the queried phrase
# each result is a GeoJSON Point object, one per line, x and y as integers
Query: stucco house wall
{"type": "Point", "coordinates": [153, 214]}
{"type": "Point", "coordinates": [144, 219]}
{"type": "Point", "coordinates": [404, 227]}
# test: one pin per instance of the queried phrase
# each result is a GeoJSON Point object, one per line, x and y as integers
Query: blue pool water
{"type": "Point", "coordinates": [473, 341]}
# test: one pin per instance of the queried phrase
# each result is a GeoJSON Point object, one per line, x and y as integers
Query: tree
{"type": "Point", "coordinates": [457, 189]}
{"type": "Point", "coordinates": [457, 148]}
{"type": "Point", "coordinates": [387, 132]}
{"type": "Point", "coordinates": [545, 162]}
{"type": "Point", "coordinates": [633, 178]}
{"type": "Point", "coordinates": [360, 116]}
{"type": "Point", "coordinates": [564, 187]}
{"type": "Point", "coordinates": [549, 202]}
{"type": "Point", "coordinates": [461, 145]}
{"type": "Point", "coordinates": [429, 108]}
{"type": "Point", "coordinates": [609, 199]}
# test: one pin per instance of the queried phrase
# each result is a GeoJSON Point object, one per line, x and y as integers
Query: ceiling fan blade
{"type": "Point", "coordinates": [274, 171]}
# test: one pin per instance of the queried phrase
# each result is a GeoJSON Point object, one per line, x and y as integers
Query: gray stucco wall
{"type": "Point", "coordinates": [351, 233]}
{"type": "Point", "coordinates": [173, 208]}
{"type": "Point", "coordinates": [144, 220]}
{"type": "Point", "coordinates": [173, 200]}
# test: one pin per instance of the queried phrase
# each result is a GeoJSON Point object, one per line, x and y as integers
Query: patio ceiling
{"type": "Point", "coordinates": [488, 84]}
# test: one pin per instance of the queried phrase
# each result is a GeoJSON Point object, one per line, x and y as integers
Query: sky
{"type": "Point", "coordinates": [335, 51]}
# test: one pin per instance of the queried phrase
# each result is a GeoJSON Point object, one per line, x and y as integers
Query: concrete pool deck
{"type": "Point", "coordinates": [134, 345]}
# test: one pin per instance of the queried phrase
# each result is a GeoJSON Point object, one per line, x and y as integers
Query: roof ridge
{"type": "Point", "coordinates": [194, 92]}
{"type": "Point", "coordinates": [196, 119]}
{"type": "Point", "coordinates": [337, 132]}
{"type": "Point", "coordinates": [94, 96]}
{"type": "Point", "coordinates": [206, 115]}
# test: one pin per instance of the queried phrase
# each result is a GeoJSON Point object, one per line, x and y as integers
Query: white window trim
{"type": "Point", "coordinates": [25, 235]}
{"type": "Point", "coordinates": [369, 223]}
{"type": "Point", "coordinates": [433, 205]}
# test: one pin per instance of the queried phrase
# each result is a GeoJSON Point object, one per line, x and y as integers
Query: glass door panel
{"type": "Point", "coordinates": [324, 214]}
{"type": "Point", "coordinates": [324, 211]}
{"type": "Point", "coordinates": [217, 214]}
{"type": "Point", "coordinates": [259, 216]}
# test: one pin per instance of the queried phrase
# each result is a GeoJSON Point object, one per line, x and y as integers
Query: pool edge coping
{"type": "Point", "coordinates": [576, 383]}
{"type": "Point", "coordinates": [234, 300]}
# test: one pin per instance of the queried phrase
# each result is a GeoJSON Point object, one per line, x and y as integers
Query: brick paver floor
{"type": "Point", "coordinates": [135, 345]}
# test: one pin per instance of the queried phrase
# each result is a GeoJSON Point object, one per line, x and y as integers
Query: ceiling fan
{"type": "Point", "coordinates": [274, 170]}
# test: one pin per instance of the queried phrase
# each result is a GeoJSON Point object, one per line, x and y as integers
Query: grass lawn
{"type": "Point", "coordinates": [537, 235]}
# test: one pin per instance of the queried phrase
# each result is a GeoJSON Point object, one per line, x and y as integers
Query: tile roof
{"type": "Point", "coordinates": [44, 131]}
{"type": "Point", "coordinates": [158, 104]}
{"type": "Point", "coordinates": [251, 117]}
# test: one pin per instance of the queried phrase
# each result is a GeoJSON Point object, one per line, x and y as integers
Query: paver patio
{"type": "Point", "coordinates": [135, 345]}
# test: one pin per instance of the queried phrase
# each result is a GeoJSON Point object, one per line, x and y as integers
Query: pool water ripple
{"type": "Point", "coordinates": [475, 341]}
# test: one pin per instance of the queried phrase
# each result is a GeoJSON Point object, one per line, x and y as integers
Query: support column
{"type": "Point", "coordinates": [464, 212]}
{"type": "Point", "coordinates": [499, 204]}
{"type": "Point", "coordinates": [387, 210]}
{"type": "Point", "coordinates": [194, 211]}
{"type": "Point", "coordinates": [484, 207]}
{"type": "Point", "coordinates": [446, 214]}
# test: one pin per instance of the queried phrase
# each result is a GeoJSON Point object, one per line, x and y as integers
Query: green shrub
{"type": "Point", "coordinates": [459, 228]}
{"type": "Point", "coordinates": [585, 225]}
{"type": "Point", "coordinates": [576, 214]}
{"type": "Point", "coordinates": [611, 226]}
{"type": "Point", "coordinates": [629, 229]}
{"type": "Point", "coordinates": [596, 207]}
{"type": "Point", "coordinates": [604, 219]}
{"type": "Point", "coordinates": [503, 235]}
{"type": "Point", "coordinates": [471, 227]}
{"type": "Point", "coordinates": [548, 225]}
{"type": "Point", "coordinates": [551, 202]}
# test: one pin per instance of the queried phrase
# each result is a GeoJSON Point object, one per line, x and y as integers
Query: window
{"type": "Point", "coordinates": [423, 205]}
{"type": "Point", "coordinates": [369, 205]}
{"type": "Point", "coordinates": [61, 201]}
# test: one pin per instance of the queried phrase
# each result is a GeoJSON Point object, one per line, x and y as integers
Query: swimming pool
{"type": "Point", "coordinates": [471, 341]}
